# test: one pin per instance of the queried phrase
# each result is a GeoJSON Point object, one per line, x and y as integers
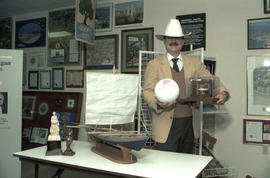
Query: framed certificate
{"type": "Point", "coordinates": [58, 78]}
{"type": "Point", "coordinates": [45, 79]}
{"type": "Point", "coordinates": [33, 79]}
{"type": "Point", "coordinates": [74, 78]}
{"type": "Point", "coordinates": [256, 131]}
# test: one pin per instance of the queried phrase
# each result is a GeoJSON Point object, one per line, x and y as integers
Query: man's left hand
{"type": "Point", "coordinates": [222, 97]}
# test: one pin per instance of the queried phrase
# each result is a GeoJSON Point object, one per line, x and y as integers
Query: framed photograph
{"type": "Point", "coordinates": [132, 42]}
{"type": "Point", "coordinates": [58, 78]}
{"type": "Point", "coordinates": [3, 103]}
{"type": "Point", "coordinates": [39, 135]}
{"type": "Point", "coordinates": [266, 4]}
{"type": "Point", "coordinates": [30, 33]}
{"type": "Point", "coordinates": [26, 133]}
{"type": "Point", "coordinates": [256, 131]}
{"type": "Point", "coordinates": [28, 107]}
{"type": "Point", "coordinates": [102, 55]}
{"type": "Point", "coordinates": [104, 16]}
{"type": "Point", "coordinates": [6, 33]}
{"type": "Point", "coordinates": [33, 79]}
{"type": "Point", "coordinates": [258, 33]}
{"type": "Point", "coordinates": [74, 78]}
{"type": "Point", "coordinates": [63, 49]}
{"type": "Point", "coordinates": [210, 65]}
{"type": "Point", "coordinates": [129, 13]}
{"type": "Point", "coordinates": [45, 79]}
{"type": "Point", "coordinates": [258, 85]}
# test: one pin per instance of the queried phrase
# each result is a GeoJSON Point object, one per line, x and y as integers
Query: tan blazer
{"type": "Point", "coordinates": [158, 69]}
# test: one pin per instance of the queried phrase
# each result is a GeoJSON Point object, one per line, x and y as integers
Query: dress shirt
{"type": "Point", "coordinates": [179, 62]}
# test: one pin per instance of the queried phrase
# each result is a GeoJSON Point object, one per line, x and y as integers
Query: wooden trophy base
{"type": "Point", "coordinates": [53, 148]}
{"type": "Point", "coordinates": [118, 154]}
{"type": "Point", "coordinates": [190, 100]}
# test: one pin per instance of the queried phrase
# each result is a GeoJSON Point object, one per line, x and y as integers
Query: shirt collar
{"type": "Point", "coordinates": [170, 57]}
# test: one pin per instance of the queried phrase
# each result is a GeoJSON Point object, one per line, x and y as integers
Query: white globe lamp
{"type": "Point", "coordinates": [166, 90]}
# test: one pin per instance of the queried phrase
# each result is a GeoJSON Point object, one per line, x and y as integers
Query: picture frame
{"type": "Point", "coordinates": [126, 19]}
{"type": "Point", "coordinates": [58, 78]}
{"type": "Point", "coordinates": [28, 106]}
{"type": "Point", "coordinates": [63, 49]}
{"type": "Point", "coordinates": [258, 33]}
{"type": "Point", "coordinates": [197, 34]}
{"type": "Point", "coordinates": [266, 6]}
{"type": "Point", "coordinates": [30, 33]}
{"type": "Point", "coordinates": [33, 79]}
{"type": "Point", "coordinates": [258, 71]}
{"type": "Point", "coordinates": [104, 17]}
{"type": "Point", "coordinates": [85, 21]}
{"type": "Point", "coordinates": [45, 79]}
{"type": "Point", "coordinates": [210, 65]}
{"type": "Point", "coordinates": [102, 55]}
{"type": "Point", "coordinates": [256, 131]}
{"type": "Point", "coordinates": [70, 103]}
{"type": "Point", "coordinates": [4, 105]}
{"type": "Point", "coordinates": [74, 78]}
{"type": "Point", "coordinates": [35, 58]}
{"type": "Point", "coordinates": [6, 33]}
{"type": "Point", "coordinates": [133, 41]}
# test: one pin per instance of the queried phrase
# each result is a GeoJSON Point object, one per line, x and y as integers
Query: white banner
{"type": "Point", "coordinates": [11, 66]}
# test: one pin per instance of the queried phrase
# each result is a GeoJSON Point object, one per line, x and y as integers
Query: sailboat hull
{"type": "Point", "coordinates": [134, 141]}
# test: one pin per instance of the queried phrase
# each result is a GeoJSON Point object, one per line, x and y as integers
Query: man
{"type": "Point", "coordinates": [3, 109]}
{"type": "Point", "coordinates": [172, 123]}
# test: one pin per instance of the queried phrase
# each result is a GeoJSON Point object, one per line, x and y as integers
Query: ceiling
{"type": "Point", "coordinates": [16, 7]}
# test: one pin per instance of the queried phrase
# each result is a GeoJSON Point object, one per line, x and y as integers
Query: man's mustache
{"type": "Point", "coordinates": [173, 44]}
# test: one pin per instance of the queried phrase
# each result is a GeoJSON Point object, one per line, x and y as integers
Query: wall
{"type": "Point", "coordinates": [226, 39]}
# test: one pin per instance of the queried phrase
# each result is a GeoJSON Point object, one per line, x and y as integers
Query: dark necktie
{"type": "Point", "coordinates": [175, 66]}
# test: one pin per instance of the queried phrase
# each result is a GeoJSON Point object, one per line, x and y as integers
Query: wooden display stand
{"type": "Point", "coordinates": [117, 153]}
{"type": "Point", "coordinates": [210, 100]}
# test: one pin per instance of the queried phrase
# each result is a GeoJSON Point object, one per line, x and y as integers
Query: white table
{"type": "Point", "coordinates": [150, 163]}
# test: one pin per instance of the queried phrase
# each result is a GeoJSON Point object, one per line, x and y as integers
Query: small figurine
{"type": "Point", "coordinates": [69, 139]}
{"type": "Point", "coordinates": [54, 139]}
{"type": "Point", "coordinates": [54, 129]}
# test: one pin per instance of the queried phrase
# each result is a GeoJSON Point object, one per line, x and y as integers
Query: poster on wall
{"type": "Point", "coordinates": [85, 20]}
{"type": "Point", "coordinates": [194, 24]}
{"type": "Point", "coordinates": [7, 68]}
{"type": "Point", "coordinates": [30, 33]}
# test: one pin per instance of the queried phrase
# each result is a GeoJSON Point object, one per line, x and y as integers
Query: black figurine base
{"type": "Point", "coordinates": [53, 148]}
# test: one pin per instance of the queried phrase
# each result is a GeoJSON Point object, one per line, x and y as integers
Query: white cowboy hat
{"type": "Point", "coordinates": [173, 29]}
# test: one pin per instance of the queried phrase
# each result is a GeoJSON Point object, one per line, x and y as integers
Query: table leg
{"type": "Point", "coordinates": [36, 170]}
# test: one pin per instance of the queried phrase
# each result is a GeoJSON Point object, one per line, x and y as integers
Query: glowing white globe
{"type": "Point", "coordinates": [166, 90]}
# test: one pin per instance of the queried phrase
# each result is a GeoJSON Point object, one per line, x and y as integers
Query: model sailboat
{"type": "Point", "coordinates": [111, 99]}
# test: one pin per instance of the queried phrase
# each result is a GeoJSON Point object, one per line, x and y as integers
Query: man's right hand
{"type": "Point", "coordinates": [165, 104]}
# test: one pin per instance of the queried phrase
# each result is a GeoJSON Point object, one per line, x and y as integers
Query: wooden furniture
{"type": "Point", "coordinates": [150, 163]}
